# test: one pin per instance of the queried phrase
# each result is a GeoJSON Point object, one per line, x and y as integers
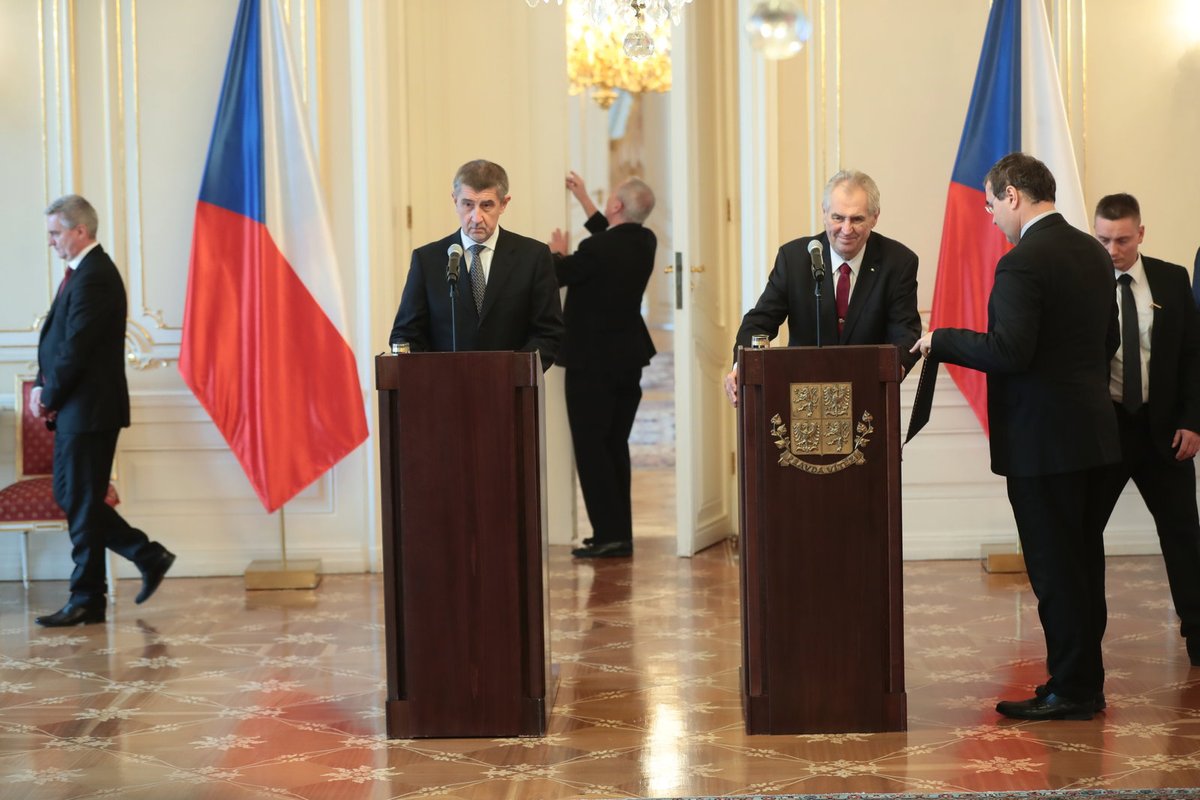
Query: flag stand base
{"type": "Point", "coordinates": [291, 574]}
{"type": "Point", "coordinates": [1002, 558]}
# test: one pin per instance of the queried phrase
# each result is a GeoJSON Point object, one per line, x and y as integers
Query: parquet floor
{"type": "Point", "coordinates": [210, 691]}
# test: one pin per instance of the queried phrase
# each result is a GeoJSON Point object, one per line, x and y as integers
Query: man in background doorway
{"type": "Point", "coordinates": [604, 349]}
{"type": "Point", "coordinates": [1154, 382]}
{"type": "Point", "coordinates": [870, 296]}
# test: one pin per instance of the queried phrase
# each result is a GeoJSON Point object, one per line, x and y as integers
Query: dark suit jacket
{"type": "Point", "coordinates": [607, 277]}
{"type": "Point", "coordinates": [81, 350]}
{"type": "Point", "coordinates": [883, 305]}
{"type": "Point", "coordinates": [520, 311]}
{"type": "Point", "coordinates": [1196, 277]}
{"type": "Point", "coordinates": [1174, 354]}
{"type": "Point", "coordinates": [1052, 330]}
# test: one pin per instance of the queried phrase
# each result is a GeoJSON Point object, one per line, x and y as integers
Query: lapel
{"type": "Point", "coordinates": [868, 278]}
{"type": "Point", "coordinates": [1157, 314]}
{"type": "Point", "coordinates": [500, 272]}
{"type": "Point", "coordinates": [50, 314]}
{"type": "Point", "coordinates": [60, 297]}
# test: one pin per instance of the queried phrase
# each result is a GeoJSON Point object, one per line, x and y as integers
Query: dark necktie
{"type": "Point", "coordinates": [842, 294]}
{"type": "Point", "coordinates": [478, 281]}
{"type": "Point", "coordinates": [1131, 348]}
{"type": "Point", "coordinates": [63, 284]}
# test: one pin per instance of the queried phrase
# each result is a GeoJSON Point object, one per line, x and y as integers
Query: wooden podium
{"type": "Point", "coordinates": [822, 601]}
{"type": "Point", "coordinates": [461, 451]}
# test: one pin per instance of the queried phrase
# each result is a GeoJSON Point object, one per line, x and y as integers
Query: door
{"type": "Point", "coordinates": [704, 244]}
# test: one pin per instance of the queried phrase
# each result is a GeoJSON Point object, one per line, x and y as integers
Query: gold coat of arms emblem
{"type": "Point", "coordinates": [822, 424]}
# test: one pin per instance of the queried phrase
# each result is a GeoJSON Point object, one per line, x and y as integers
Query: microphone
{"type": "Point", "coordinates": [818, 263]}
{"type": "Point", "coordinates": [455, 254]}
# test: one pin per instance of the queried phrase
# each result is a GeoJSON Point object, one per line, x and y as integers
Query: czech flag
{"type": "Point", "coordinates": [1016, 104]}
{"type": "Point", "coordinates": [264, 338]}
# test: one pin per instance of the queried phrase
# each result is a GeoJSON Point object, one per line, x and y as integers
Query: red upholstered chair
{"type": "Point", "coordinates": [28, 506]}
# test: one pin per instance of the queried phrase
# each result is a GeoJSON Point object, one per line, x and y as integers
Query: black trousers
{"type": "Point", "coordinates": [1169, 489]}
{"type": "Point", "coordinates": [601, 406]}
{"type": "Point", "coordinates": [82, 466]}
{"type": "Point", "coordinates": [1064, 558]}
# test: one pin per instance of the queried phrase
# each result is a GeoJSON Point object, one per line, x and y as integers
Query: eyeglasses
{"type": "Point", "coordinates": [988, 207]}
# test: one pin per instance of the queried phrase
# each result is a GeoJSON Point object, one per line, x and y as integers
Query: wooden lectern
{"type": "Point", "coordinates": [461, 440]}
{"type": "Point", "coordinates": [822, 601]}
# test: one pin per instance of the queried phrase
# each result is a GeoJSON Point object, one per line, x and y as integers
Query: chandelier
{"type": "Point", "coordinates": [635, 20]}
{"type": "Point", "coordinates": [619, 45]}
{"type": "Point", "coordinates": [597, 57]}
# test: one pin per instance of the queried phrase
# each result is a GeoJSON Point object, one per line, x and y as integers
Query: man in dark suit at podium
{"type": "Point", "coordinates": [1052, 328]}
{"type": "Point", "coordinates": [507, 297]}
{"type": "Point", "coordinates": [1155, 387]}
{"type": "Point", "coordinates": [82, 393]}
{"type": "Point", "coordinates": [604, 349]}
{"type": "Point", "coordinates": [869, 295]}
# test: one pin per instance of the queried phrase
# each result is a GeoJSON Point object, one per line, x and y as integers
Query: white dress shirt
{"type": "Point", "coordinates": [1145, 313]}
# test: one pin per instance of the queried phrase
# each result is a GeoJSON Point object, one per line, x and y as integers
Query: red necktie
{"type": "Point", "coordinates": [63, 284]}
{"type": "Point", "coordinates": [842, 295]}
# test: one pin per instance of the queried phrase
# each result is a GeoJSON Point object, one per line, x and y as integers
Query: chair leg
{"type": "Point", "coordinates": [25, 558]}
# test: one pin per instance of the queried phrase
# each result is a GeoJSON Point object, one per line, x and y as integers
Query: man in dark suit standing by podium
{"type": "Point", "coordinates": [507, 298]}
{"type": "Point", "coordinates": [1155, 387]}
{"type": "Point", "coordinates": [82, 393]}
{"type": "Point", "coordinates": [604, 349]}
{"type": "Point", "coordinates": [869, 295]}
{"type": "Point", "coordinates": [1052, 328]}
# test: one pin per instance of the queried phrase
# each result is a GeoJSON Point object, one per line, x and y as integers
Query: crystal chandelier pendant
{"type": "Point", "coordinates": [614, 46]}
{"type": "Point", "coordinates": [638, 44]}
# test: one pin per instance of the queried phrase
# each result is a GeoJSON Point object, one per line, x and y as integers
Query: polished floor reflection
{"type": "Point", "coordinates": [209, 691]}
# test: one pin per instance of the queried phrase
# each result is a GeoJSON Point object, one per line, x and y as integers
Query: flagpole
{"type": "Point", "coordinates": [283, 537]}
{"type": "Point", "coordinates": [299, 573]}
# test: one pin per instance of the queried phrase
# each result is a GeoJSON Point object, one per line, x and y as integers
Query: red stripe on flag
{"type": "Point", "coordinates": [971, 246]}
{"type": "Point", "coordinates": [264, 360]}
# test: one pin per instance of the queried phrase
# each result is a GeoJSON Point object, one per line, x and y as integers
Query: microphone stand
{"type": "Point", "coordinates": [818, 282]}
{"type": "Point", "coordinates": [452, 280]}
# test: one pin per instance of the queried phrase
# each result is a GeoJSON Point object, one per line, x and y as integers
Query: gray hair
{"type": "Point", "coordinates": [482, 175]}
{"type": "Point", "coordinates": [637, 199]}
{"type": "Point", "coordinates": [857, 179]}
{"type": "Point", "coordinates": [75, 211]}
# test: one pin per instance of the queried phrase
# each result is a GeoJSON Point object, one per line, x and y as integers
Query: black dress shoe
{"type": "Point", "coordinates": [153, 574]}
{"type": "Point", "coordinates": [72, 614]}
{"type": "Point", "coordinates": [588, 541]}
{"type": "Point", "coordinates": [1049, 707]}
{"type": "Point", "coordinates": [1098, 702]}
{"type": "Point", "coordinates": [606, 550]}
